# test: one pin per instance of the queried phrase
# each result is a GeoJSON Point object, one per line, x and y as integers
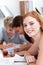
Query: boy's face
{"type": "Point", "coordinates": [19, 29]}
{"type": "Point", "coordinates": [10, 31]}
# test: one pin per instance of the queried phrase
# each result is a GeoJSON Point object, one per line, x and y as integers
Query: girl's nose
{"type": "Point", "coordinates": [28, 27]}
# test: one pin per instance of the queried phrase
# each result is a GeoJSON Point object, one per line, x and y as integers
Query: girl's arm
{"type": "Point", "coordinates": [33, 49]}
{"type": "Point", "coordinates": [40, 55]}
{"type": "Point", "coordinates": [29, 55]}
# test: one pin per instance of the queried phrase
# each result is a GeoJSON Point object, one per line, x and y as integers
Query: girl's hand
{"type": "Point", "coordinates": [29, 58]}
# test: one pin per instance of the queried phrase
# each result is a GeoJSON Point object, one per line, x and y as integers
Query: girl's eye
{"type": "Point", "coordinates": [31, 23]}
{"type": "Point", "coordinates": [25, 25]}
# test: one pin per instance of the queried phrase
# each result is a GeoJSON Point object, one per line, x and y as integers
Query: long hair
{"type": "Point", "coordinates": [38, 17]}
{"type": "Point", "coordinates": [35, 15]}
{"type": "Point", "coordinates": [30, 39]}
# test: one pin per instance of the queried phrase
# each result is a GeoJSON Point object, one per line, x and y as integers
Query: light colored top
{"type": "Point", "coordinates": [14, 39]}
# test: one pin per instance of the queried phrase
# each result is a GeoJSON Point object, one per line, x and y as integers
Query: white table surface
{"type": "Point", "coordinates": [10, 60]}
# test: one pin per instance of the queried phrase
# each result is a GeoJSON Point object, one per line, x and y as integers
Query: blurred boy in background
{"type": "Point", "coordinates": [9, 34]}
{"type": "Point", "coordinates": [17, 24]}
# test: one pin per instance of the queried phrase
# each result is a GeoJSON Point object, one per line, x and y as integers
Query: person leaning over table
{"type": "Point", "coordinates": [18, 26]}
{"type": "Point", "coordinates": [9, 35]}
{"type": "Point", "coordinates": [33, 27]}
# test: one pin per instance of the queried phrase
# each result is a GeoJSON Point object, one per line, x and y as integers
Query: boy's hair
{"type": "Point", "coordinates": [17, 21]}
{"type": "Point", "coordinates": [8, 21]}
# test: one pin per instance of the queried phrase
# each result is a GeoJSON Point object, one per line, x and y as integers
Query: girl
{"type": "Point", "coordinates": [33, 27]}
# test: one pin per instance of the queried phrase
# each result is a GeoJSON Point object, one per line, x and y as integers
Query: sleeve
{"type": "Point", "coordinates": [1, 34]}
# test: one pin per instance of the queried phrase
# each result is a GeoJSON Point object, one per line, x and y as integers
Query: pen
{"type": "Point", "coordinates": [19, 61]}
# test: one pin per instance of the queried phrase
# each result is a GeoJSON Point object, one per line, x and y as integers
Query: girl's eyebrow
{"type": "Point", "coordinates": [30, 21]}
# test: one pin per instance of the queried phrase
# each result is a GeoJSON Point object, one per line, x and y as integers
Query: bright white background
{"type": "Point", "coordinates": [13, 6]}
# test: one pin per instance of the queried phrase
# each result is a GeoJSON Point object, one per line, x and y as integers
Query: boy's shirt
{"type": "Point", "coordinates": [4, 36]}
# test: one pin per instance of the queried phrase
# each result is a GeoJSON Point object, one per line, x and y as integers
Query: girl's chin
{"type": "Point", "coordinates": [31, 35]}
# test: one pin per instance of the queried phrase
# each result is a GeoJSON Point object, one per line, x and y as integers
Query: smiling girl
{"type": "Point", "coordinates": [33, 27]}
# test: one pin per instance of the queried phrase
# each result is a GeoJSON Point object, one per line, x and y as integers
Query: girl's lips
{"type": "Point", "coordinates": [30, 31]}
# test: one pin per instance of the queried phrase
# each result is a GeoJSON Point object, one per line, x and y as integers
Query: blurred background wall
{"type": "Point", "coordinates": [12, 8]}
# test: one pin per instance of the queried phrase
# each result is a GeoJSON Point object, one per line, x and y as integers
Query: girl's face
{"type": "Point", "coordinates": [31, 26]}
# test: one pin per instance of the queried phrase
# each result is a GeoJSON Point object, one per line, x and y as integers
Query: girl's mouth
{"type": "Point", "coordinates": [30, 31]}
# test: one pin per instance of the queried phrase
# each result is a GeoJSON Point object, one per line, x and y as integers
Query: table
{"type": "Point", "coordinates": [16, 60]}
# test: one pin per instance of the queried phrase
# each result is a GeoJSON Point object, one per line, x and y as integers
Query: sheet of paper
{"type": "Point", "coordinates": [18, 58]}
{"type": "Point", "coordinates": [19, 63]}
{"type": "Point", "coordinates": [6, 61]}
